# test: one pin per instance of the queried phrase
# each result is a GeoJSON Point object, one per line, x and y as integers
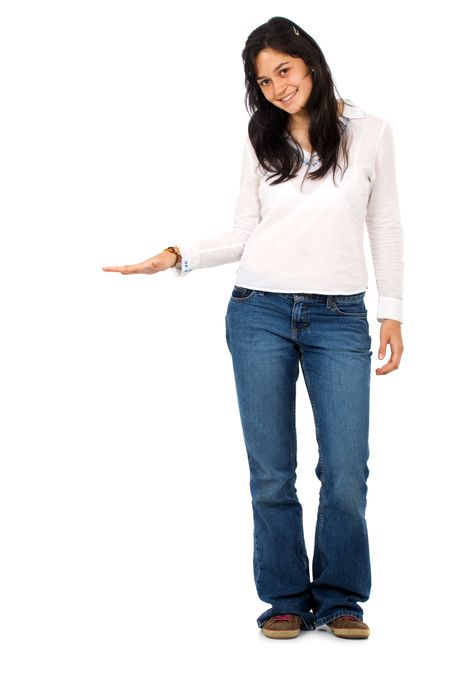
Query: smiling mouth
{"type": "Point", "coordinates": [288, 98]}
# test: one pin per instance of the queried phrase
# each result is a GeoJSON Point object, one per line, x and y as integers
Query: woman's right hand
{"type": "Point", "coordinates": [157, 263]}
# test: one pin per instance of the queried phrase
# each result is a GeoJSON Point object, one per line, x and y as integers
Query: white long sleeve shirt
{"type": "Point", "coordinates": [311, 241]}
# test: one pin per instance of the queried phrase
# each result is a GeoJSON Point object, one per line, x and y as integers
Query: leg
{"type": "Point", "coordinates": [266, 368]}
{"type": "Point", "coordinates": [335, 361]}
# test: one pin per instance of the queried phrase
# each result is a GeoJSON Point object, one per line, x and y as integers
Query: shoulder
{"type": "Point", "coordinates": [361, 117]}
{"type": "Point", "coordinates": [249, 154]}
{"type": "Point", "coordinates": [371, 128]}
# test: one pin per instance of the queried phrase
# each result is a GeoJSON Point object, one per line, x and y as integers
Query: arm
{"type": "Point", "coordinates": [224, 248]}
{"type": "Point", "coordinates": [386, 242]}
{"type": "Point", "coordinates": [385, 230]}
{"type": "Point", "coordinates": [228, 246]}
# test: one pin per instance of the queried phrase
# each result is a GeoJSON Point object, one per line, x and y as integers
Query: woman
{"type": "Point", "coordinates": [299, 301]}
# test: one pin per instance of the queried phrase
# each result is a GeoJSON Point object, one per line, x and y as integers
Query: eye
{"type": "Point", "coordinates": [283, 70]}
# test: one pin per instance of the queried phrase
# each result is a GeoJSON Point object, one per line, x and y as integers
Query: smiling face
{"type": "Point", "coordinates": [285, 80]}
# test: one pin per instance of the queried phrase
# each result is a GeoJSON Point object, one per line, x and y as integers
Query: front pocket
{"type": "Point", "coordinates": [241, 293]}
{"type": "Point", "coordinates": [356, 309]}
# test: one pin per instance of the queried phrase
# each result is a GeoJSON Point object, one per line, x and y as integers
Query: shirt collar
{"type": "Point", "coordinates": [352, 111]}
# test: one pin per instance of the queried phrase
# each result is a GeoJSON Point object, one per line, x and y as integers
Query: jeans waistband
{"type": "Point", "coordinates": [319, 297]}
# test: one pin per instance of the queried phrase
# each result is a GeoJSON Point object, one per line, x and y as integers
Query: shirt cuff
{"type": "Point", "coordinates": [390, 308]}
{"type": "Point", "coordinates": [187, 261]}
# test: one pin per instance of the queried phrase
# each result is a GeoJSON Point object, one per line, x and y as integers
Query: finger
{"type": "Point", "coordinates": [396, 356]}
{"type": "Point", "coordinates": [391, 365]}
{"type": "Point", "coordinates": [382, 348]}
{"type": "Point", "coordinates": [123, 269]}
{"type": "Point", "coordinates": [387, 368]}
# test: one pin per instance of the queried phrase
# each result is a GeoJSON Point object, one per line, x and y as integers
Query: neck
{"type": "Point", "coordinates": [301, 119]}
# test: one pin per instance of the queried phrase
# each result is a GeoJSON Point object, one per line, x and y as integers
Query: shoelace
{"type": "Point", "coordinates": [349, 618]}
{"type": "Point", "coordinates": [283, 617]}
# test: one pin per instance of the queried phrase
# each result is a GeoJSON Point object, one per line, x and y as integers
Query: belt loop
{"type": "Point", "coordinates": [330, 301]}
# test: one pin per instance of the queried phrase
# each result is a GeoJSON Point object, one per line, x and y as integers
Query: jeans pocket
{"type": "Point", "coordinates": [356, 308]}
{"type": "Point", "coordinates": [240, 293]}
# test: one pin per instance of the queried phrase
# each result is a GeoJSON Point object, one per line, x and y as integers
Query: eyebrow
{"type": "Point", "coordinates": [263, 77]}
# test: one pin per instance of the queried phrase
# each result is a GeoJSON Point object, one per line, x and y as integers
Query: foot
{"type": "Point", "coordinates": [349, 627]}
{"type": "Point", "coordinates": [282, 626]}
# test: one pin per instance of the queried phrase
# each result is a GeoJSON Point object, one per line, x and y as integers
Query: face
{"type": "Point", "coordinates": [281, 76]}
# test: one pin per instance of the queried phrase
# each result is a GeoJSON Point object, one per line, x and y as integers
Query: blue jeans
{"type": "Point", "coordinates": [268, 334]}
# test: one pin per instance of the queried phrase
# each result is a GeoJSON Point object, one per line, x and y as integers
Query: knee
{"type": "Point", "coordinates": [272, 490]}
{"type": "Point", "coordinates": [347, 494]}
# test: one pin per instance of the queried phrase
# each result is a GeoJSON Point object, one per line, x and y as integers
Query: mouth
{"type": "Point", "coordinates": [288, 99]}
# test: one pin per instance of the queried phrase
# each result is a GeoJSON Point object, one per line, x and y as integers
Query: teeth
{"type": "Point", "coordinates": [290, 96]}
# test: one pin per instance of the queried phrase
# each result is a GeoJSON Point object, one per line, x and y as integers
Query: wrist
{"type": "Point", "coordinates": [175, 252]}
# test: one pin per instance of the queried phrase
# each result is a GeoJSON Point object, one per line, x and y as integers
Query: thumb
{"type": "Point", "coordinates": [382, 349]}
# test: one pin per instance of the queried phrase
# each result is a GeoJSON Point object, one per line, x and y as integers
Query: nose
{"type": "Point", "coordinates": [280, 93]}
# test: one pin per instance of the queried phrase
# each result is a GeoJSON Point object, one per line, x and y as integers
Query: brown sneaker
{"type": "Point", "coordinates": [282, 626]}
{"type": "Point", "coordinates": [349, 627]}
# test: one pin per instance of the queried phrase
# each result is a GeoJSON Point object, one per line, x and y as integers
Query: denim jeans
{"type": "Point", "coordinates": [268, 335]}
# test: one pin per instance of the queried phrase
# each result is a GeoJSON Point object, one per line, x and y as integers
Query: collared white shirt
{"type": "Point", "coordinates": [311, 241]}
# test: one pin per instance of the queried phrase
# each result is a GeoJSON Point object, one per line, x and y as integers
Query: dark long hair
{"type": "Point", "coordinates": [268, 127]}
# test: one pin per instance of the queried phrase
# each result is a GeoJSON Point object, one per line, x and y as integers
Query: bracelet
{"type": "Point", "coordinates": [176, 250]}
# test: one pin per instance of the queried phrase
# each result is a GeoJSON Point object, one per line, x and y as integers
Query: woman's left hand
{"type": "Point", "coordinates": [390, 334]}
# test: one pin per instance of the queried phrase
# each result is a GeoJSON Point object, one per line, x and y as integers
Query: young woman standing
{"type": "Point", "coordinates": [298, 303]}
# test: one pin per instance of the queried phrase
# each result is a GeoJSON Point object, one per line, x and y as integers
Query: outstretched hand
{"type": "Point", "coordinates": [390, 334]}
{"type": "Point", "coordinates": [157, 263]}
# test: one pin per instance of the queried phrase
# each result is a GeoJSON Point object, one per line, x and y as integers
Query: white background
{"type": "Point", "coordinates": [126, 525]}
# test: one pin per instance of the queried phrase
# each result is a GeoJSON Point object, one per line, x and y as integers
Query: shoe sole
{"type": "Point", "coordinates": [354, 633]}
{"type": "Point", "coordinates": [283, 634]}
